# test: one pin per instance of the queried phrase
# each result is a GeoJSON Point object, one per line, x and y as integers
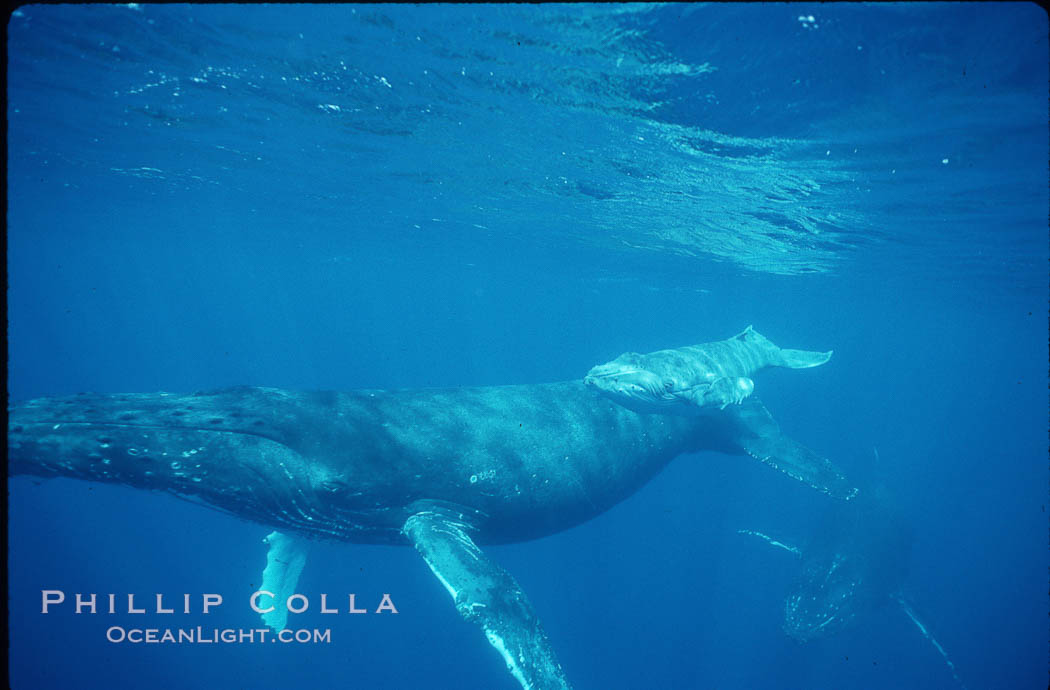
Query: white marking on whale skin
{"type": "Point", "coordinates": [448, 586]}
{"type": "Point", "coordinates": [284, 564]}
{"type": "Point", "coordinates": [929, 636]}
{"type": "Point", "coordinates": [771, 541]}
{"type": "Point", "coordinates": [512, 663]}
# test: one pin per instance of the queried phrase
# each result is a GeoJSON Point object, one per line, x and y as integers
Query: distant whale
{"type": "Point", "coordinates": [855, 563]}
{"type": "Point", "coordinates": [443, 470]}
{"type": "Point", "coordinates": [688, 380]}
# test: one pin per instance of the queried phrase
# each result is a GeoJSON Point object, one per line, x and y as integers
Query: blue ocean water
{"type": "Point", "coordinates": [341, 197]}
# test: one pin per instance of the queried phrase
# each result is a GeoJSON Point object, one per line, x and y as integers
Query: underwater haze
{"type": "Point", "coordinates": [336, 197]}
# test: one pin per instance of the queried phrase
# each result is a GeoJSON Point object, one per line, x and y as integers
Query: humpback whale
{"type": "Point", "coordinates": [443, 470]}
{"type": "Point", "coordinates": [688, 380]}
{"type": "Point", "coordinates": [856, 563]}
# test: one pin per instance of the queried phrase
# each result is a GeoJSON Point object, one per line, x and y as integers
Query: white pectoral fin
{"type": "Point", "coordinates": [772, 542]}
{"type": "Point", "coordinates": [284, 563]}
{"type": "Point", "coordinates": [720, 392]}
{"type": "Point", "coordinates": [485, 594]}
{"type": "Point", "coordinates": [925, 632]}
{"type": "Point", "coordinates": [736, 390]}
{"type": "Point", "coordinates": [697, 395]}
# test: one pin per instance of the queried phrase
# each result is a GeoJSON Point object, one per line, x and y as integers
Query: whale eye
{"type": "Point", "coordinates": [668, 385]}
{"type": "Point", "coordinates": [334, 486]}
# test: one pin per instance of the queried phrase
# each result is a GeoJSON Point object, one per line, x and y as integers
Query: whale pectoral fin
{"type": "Point", "coordinates": [772, 541]}
{"type": "Point", "coordinates": [910, 613]}
{"type": "Point", "coordinates": [760, 438]}
{"type": "Point", "coordinates": [754, 419]}
{"type": "Point", "coordinates": [719, 393]}
{"type": "Point", "coordinates": [284, 563]}
{"type": "Point", "coordinates": [735, 390]}
{"type": "Point", "coordinates": [697, 395]}
{"type": "Point", "coordinates": [485, 594]}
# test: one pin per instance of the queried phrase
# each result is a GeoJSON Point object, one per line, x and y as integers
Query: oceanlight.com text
{"type": "Point", "coordinates": [201, 635]}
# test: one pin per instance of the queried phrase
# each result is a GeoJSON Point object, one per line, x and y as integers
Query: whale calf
{"type": "Point", "coordinates": [443, 470]}
{"type": "Point", "coordinates": [688, 380]}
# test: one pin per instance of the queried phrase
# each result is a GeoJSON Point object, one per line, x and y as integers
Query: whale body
{"type": "Point", "coordinates": [443, 470]}
{"type": "Point", "coordinates": [690, 380]}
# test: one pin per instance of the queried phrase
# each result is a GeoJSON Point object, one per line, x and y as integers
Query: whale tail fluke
{"type": "Point", "coordinates": [780, 357]}
{"type": "Point", "coordinates": [802, 359]}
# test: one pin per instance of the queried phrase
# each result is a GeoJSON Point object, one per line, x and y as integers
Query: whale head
{"type": "Point", "coordinates": [825, 599]}
{"type": "Point", "coordinates": [627, 382]}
